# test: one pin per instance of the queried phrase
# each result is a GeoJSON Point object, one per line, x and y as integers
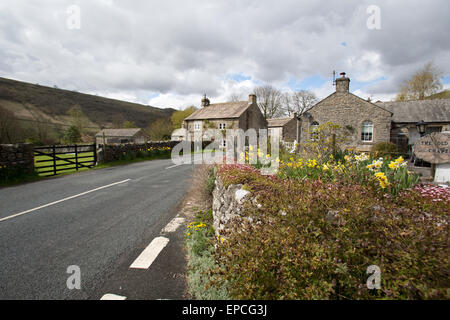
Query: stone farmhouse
{"type": "Point", "coordinates": [287, 129]}
{"type": "Point", "coordinates": [371, 123]}
{"type": "Point", "coordinates": [121, 136]}
{"type": "Point", "coordinates": [367, 122]}
{"type": "Point", "coordinates": [229, 115]}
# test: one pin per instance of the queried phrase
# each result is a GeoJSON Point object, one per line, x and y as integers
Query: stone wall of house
{"type": "Point", "coordinates": [349, 111]}
{"type": "Point", "coordinates": [290, 130]}
{"type": "Point", "coordinates": [17, 157]}
{"type": "Point", "coordinates": [227, 204]}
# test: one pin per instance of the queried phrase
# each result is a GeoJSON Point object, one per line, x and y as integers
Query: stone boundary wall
{"type": "Point", "coordinates": [227, 204]}
{"type": "Point", "coordinates": [115, 151]}
{"type": "Point", "coordinates": [17, 157]}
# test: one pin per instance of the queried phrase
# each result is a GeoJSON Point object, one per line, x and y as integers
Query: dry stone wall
{"type": "Point", "coordinates": [17, 157]}
{"type": "Point", "coordinates": [227, 204]}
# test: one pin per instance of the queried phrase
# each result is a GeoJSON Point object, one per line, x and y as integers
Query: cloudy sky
{"type": "Point", "coordinates": [168, 53]}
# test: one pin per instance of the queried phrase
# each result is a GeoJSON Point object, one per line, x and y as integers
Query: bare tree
{"type": "Point", "coordinates": [303, 100]}
{"type": "Point", "coordinates": [286, 103]}
{"type": "Point", "coordinates": [8, 126]}
{"type": "Point", "coordinates": [234, 97]}
{"type": "Point", "coordinates": [424, 82]}
{"type": "Point", "coordinates": [269, 101]}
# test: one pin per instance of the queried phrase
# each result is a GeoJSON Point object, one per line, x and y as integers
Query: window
{"type": "Point", "coordinates": [367, 131]}
{"type": "Point", "coordinates": [222, 126]}
{"type": "Point", "coordinates": [224, 143]}
{"type": "Point", "coordinates": [197, 126]}
{"type": "Point", "coordinates": [314, 134]}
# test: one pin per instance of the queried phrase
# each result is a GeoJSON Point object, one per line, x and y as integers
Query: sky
{"type": "Point", "coordinates": [170, 53]}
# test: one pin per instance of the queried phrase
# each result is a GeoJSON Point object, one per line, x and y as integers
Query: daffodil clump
{"type": "Point", "coordinates": [194, 226]}
{"type": "Point", "coordinates": [387, 175]}
{"type": "Point", "coordinates": [257, 158]}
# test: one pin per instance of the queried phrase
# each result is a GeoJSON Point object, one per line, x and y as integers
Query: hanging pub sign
{"type": "Point", "coordinates": [434, 148]}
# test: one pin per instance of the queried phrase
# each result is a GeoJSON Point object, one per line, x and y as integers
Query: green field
{"type": "Point", "coordinates": [61, 164]}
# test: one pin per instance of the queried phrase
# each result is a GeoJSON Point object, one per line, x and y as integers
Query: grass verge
{"type": "Point", "coordinates": [201, 241]}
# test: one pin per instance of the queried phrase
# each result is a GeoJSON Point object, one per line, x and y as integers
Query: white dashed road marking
{"type": "Point", "coordinates": [145, 260]}
{"type": "Point", "coordinates": [174, 166]}
{"type": "Point", "coordinates": [65, 199]}
{"type": "Point", "coordinates": [173, 225]}
{"type": "Point", "coordinates": [110, 296]}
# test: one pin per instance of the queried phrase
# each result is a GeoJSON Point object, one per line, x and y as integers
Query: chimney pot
{"type": "Point", "coordinates": [342, 83]}
{"type": "Point", "coordinates": [205, 101]}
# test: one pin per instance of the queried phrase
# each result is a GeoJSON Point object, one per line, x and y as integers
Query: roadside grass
{"type": "Point", "coordinates": [200, 243]}
{"type": "Point", "coordinates": [200, 239]}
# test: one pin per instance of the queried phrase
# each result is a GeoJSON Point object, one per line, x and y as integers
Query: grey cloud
{"type": "Point", "coordinates": [189, 47]}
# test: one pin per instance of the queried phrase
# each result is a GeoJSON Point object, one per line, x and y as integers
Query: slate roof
{"type": "Point", "coordinates": [227, 110]}
{"type": "Point", "coordinates": [118, 132]}
{"type": "Point", "coordinates": [437, 110]}
{"type": "Point", "coordinates": [277, 122]}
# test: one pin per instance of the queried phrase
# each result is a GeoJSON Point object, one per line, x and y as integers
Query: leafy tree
{"type": "Point", "coordinates": [424, 82]}
{"type": "Point", "coordinates": [73, 134]}
{"type": "Point", "coordinates": [178, 116]}
{"type": "Point", "coordinates": [78, 118]}
{"type": "Point", "coordinates": [160, 129]}
{"type": "Point", "coordinates": [128, 125]}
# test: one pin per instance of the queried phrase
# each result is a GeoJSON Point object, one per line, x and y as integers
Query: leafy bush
{"type": "Point", "coordinates": [211, 179]}
{"type": "Point", "coordinates": [385, 150]}
{"type": "Point", "coordinates": [315, 239]}
{"type": "Point", "coordinates": [15, 175]}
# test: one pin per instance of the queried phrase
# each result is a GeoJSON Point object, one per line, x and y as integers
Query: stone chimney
{"type": "Point", "coordinates": [342, 83]}
{"type": "Point", "coordinates": [205, 101]}
{"type": "Point", "coordinates": [252, 98]}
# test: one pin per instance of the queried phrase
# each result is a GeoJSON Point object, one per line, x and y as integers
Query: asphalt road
{"type": "Point", "coordinates": [105, 220]}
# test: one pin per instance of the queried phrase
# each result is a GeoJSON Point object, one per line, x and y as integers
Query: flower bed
{"type": "Point", "coordinates": [320, 223]}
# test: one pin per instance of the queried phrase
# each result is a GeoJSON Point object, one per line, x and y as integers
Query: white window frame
{"type": "Point", "coordinates": [222, 126]}
{"type": "Point", "coordinates": [367, 131]}
{"type": "Point", "coordinates": [314, 126]}
{"type": "Point", "coordinates": [197, 126]}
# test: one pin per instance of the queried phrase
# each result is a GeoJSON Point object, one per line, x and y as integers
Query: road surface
{"type": "Point", "coordinates": [99, 221]}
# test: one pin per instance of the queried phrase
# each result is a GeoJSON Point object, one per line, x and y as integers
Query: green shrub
{"type": "Point", "coordinates": [315, 240]}
{"type": "Point", "coordinates": [15, 175]}
{"type": "Point", "coordinates": [385, 150]}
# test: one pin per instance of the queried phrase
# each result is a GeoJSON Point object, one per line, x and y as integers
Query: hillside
{"type": "Point", "coordinates": [440, 95]}
{"type": "Point", "coordinates": [31, 103]}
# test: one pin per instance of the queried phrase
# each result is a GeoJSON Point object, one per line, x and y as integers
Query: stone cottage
{"type": "Point", "coordinates": [121, 136]}
{"type": "Point", "coordinates": [367, 122]}
{"type": "Point", "coordinates": [287, 129]}
{"type": "Point", "coordinates": [229, 115]}
{"type": "Point", "coordinates": [406, 114]}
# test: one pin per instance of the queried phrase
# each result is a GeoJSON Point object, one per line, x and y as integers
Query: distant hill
{"type": "Point", "coordinates": [440, 95]}
{"type": "Point", "coordinates": [54, 103]}
{"type": "Point", "coordinates": [34, 104]}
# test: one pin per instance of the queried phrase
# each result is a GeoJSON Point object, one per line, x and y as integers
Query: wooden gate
{"type": "Point", "coordinates": [53, 160]}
